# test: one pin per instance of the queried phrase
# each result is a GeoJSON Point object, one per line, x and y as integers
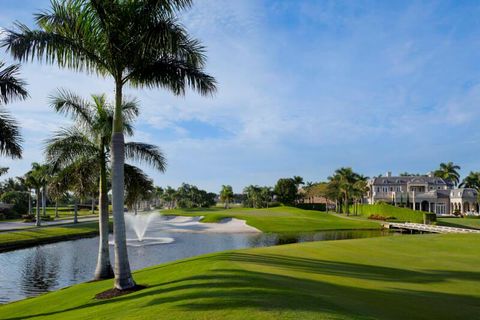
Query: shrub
{"type": "Point", "coordinates": [19, 200]}
{"type": "Point", "coordinates": [377, 217]}
{"type": "Point", "coordinates": [312, 206]}
{"type": "Point", "coordinates": [429, 218]}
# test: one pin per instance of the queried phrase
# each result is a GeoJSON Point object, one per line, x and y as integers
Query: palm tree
{"type": "Point", "coordinates": [360, 188]}
{"type": "Point", "coordinates": [35, 179]}
{"type": "Point", "coordinates": [140, 43]}
{"type": "Point", "coordinates": [169, 197]}
{"type": "Point", "coordinates": [298, 181]}
{"type": "Point", "coordinates": [448, 171]}
{"type": "Point", "coordinates": [471, 181]}
{"type": "Point", "coordinates": [344, 180]}
{"type": "Point", "coordinates": [138, 187]}
{"type": "Point", "coordinates": [226, 195]}
{"type": "Point", "coordinates": [10, 88]}
{"type": "Point", "coordinates": [89, 140]}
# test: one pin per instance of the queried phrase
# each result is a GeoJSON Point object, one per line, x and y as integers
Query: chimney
{"type": "Point", "coordinates": [389, 174]}
{"type": "Point", "coordinates": [430, 174]}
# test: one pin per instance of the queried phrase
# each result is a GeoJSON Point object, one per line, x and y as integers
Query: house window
{"type": "Point", "coordinates": [378, 189]}
{"type": "Point", "coordinates": [391, 188]}
{"type": "Point", "coordinates": [385, 189]}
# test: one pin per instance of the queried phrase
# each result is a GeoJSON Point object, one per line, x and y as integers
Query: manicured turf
{"type": "Point", "coordinates": [398, 277]}
{"type": "Point", "coordinates": [278, 219]}
{"type": "Point", "coordinates": [33, 236]}
{"type": "Point", "coordinates": [473, 223]}
{"type": "Point", "coordinates": [392, 213]}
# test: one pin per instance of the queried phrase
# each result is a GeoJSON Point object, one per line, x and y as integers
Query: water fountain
{"type": "Point", "coordinates": [140, 224]}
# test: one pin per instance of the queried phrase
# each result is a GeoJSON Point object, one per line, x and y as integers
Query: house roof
{"type": "Point", "coordinates": [409, 179]}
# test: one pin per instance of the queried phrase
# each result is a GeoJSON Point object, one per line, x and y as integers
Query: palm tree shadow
{"type": "Point", "coordinates": [233, 289]}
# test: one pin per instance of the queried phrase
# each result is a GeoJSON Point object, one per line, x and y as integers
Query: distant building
{"type": "Point", "coordinates": [425, 193]}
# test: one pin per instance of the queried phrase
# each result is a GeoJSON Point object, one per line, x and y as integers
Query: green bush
{"type": "Point", "coordinates": [19, 200]}
{"type": "Point", "coordinates": [312, 206]}
{"type": "Point", "coordinates": [390, 212]}
{"type": "Point", "coordinates": [429, 218]}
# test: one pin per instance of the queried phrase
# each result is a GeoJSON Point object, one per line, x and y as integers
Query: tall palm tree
{"type": "Point", "coordinates": [11, 87]}
{"type": "Point", "coordinates": [36, 179]}
{"type": "Point", "coordinates": [140, 43]}
{"type": "Point", "coordinates": [448, 171]}
{"type": "Point", "coordinates": [226, 195]}
{"type": "Point", "coordinates": [471, 181]}
{"type": "Point", "coordinates": [88, 140]}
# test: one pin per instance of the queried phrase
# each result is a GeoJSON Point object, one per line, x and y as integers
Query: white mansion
{"type": "Point", "coordinates": [426, 193]}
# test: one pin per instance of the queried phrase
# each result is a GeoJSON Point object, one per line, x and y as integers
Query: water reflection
{"type": "Point", "coordinates": [39, 272]}
{"type": "Point", "coordinates": [29, 272]}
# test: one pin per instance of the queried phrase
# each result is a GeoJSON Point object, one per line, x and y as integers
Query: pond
{"type": "Point", "coordinates": [32, 271]}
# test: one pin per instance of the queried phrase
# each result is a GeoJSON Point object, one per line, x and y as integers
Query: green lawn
{"type": "Point", "coordinates": [398, 277]}
{"type": "Point", "coordinates": [34, 236]}
{"type": "Point", "coordinates": [67, 212]}
{"type": "Point", "coordinates": [279, 219]}
{"type": "Point", "coordinates": [473, 223]}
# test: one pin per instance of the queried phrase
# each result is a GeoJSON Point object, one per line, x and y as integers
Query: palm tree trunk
{"type": "Point", "coordinates": [44, 200]}
{"type": "Point", "coordinates": [56, 209]}
{"type": "Point", "coordinates": [104, 267]}
{"type": "Point", "coordinates": [123, 275]}
{"type": "Point", "coordinates": [38, 223]}
{"type": "Point", "coordinates": [29, 202]}
{"type": "Point", "coordinates": [346, 203]}
{"type": "Point", "coordinates": [75, 211]}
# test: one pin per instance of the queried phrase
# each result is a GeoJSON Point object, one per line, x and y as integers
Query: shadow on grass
{"type": "Point", "coordinates": [273, 290]}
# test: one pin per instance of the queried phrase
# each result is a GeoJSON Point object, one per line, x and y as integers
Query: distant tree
{"type": "Point", "coordinates": [169, 197]}
{"type": "Point", "coordinates": [343, 180]}
{"type": "Point", "coordinates": [138, 187]}
{"type": "Point", "coordinates": [226, 195]}
{"type": "Point", "coordinates": [35, 179]}
{"type": "Point", "coordinates": [448, 171]}
{"type": "Point", "coordinates": [298, 181]}
{"type": "Point", "coordinates": [471, 181]}
{"type": "Point", "coordinates": [190, 196]}
{"type": "Point", "coordinates": [265, 196]}
{"type": "Point", "coordinates": [286, 191]}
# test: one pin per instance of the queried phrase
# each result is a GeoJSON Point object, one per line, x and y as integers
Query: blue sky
{"type": "Point", "coordinates": [305, 87]}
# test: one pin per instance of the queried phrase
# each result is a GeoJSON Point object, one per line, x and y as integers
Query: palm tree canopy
{"type": "Point", "coordinates": [10, 137]}
{"type": "Point", "coordinates": [448, 171]}
{"type": "Point", "coordinates": [92, 132]}
{"type": "Point", "coordinates": [11, 87]}
{"type": "Point", "coordinates": [471, 181]}
{"type": "Point", "coordinates": [136, 42]}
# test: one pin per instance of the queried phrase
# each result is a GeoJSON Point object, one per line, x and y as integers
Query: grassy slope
{"type": "Point", "coordinates": [473, 223]}
{"type": "Point", "coordinates": [34, 236]}
{"type": "Point", "coordinates": [386, 210]}
{"type": "Point", "coordinates": [278, 219]}
{"type": "Point", "coordinates": [405, 277]}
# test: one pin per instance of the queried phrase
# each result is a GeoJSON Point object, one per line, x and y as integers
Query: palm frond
{"type": "Point", "coordinates": [174, 75]}
{"type": "Point", "coordinates": [68, 103]}
{"type": "Point", "coordinates": [11, 87]}
{"type": "Point", "coordinates": [49, 47]}
{"type": "Point", "coordinates": [68, 146]}
{"type": "Point", "coordinates": [10, 137]}
{"type": "Point", "coordinates": [146, 153]}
